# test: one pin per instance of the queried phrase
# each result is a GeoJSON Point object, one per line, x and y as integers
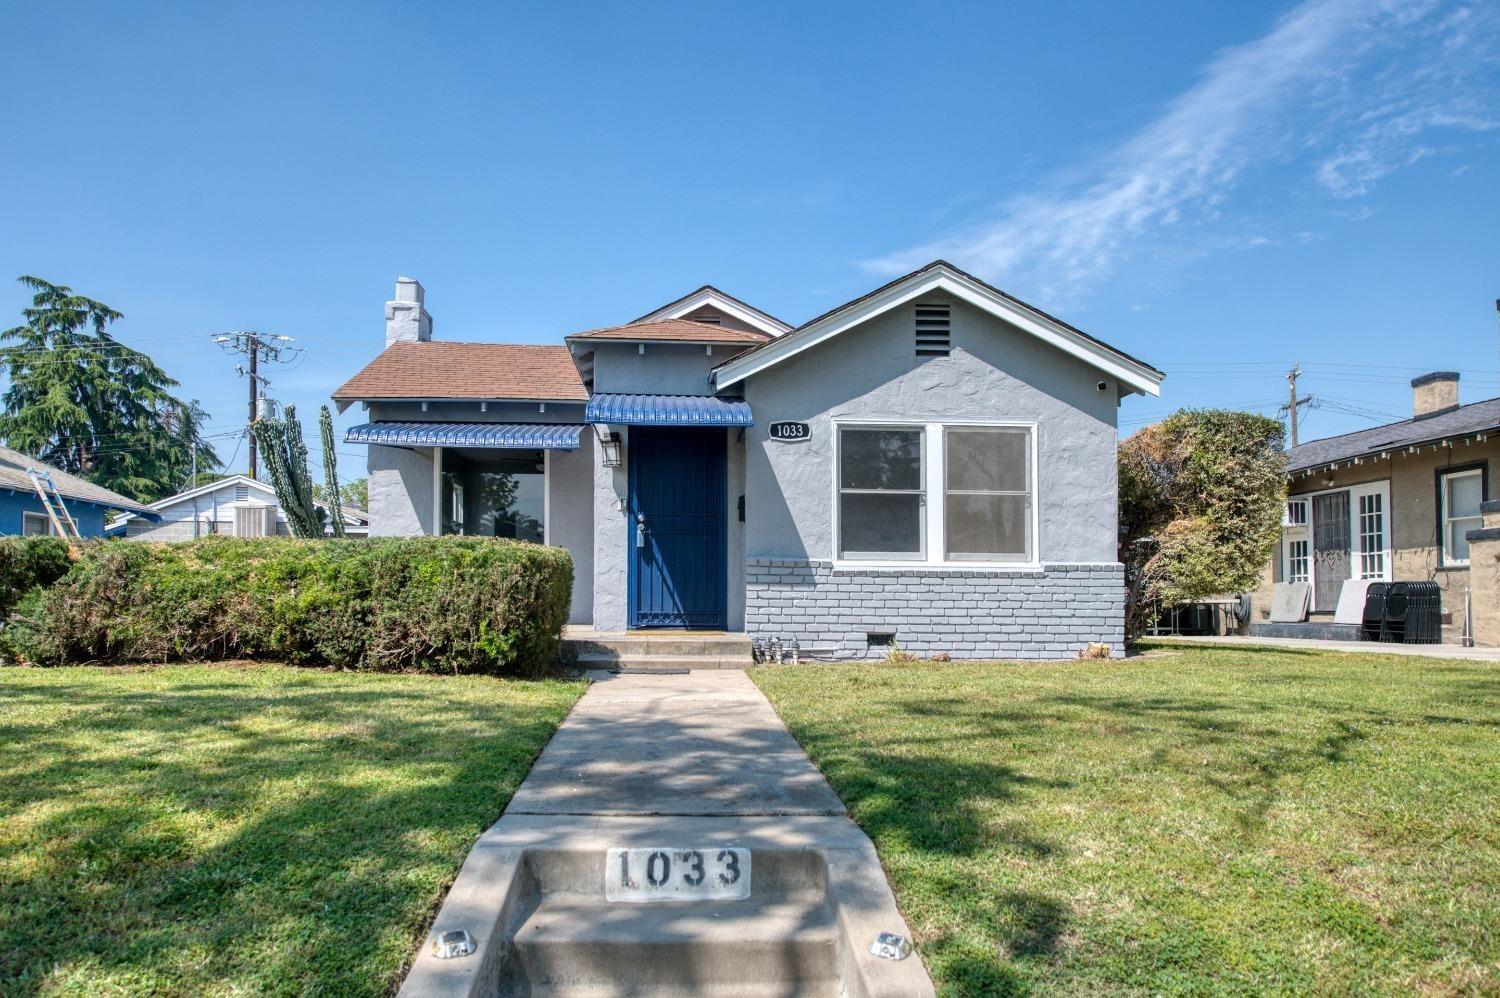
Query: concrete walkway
{"type": "Point", "coordinates": [681, 764]}
{"type": "Point", "coordinates": [701, 743]}
{"type": "Point", "coordinates": [1363, 647]}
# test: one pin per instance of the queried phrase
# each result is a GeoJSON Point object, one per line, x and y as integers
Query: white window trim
{"type": "Point", "coordinates": [1446, 519]}
{"type": "Point", "coordinates": [1291, 533]}
{"type": "Point", "coordinates": [50, 530]}
{"type": "Point", "coordinates": [935, 457]}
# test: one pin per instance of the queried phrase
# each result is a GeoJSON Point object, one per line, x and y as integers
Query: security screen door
{"type": "Point", "coordinates": [1330, 549]}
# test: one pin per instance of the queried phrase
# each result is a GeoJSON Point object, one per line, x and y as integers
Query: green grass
{"type": "Point", "coordinates": [1192, 821]}
{"type": "Point", "coordinates": [220, 830]}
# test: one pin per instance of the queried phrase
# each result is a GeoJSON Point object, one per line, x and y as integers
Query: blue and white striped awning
{"type": "Point", "coordinates": [668, 410]}
{"type": "Point", "coordinates": [510, 436]}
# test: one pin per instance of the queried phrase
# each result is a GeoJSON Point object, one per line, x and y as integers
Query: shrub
{"type": "Point", "coordinates": [450, 604]}
{"type": "Point", "coordinates": [25, 564]}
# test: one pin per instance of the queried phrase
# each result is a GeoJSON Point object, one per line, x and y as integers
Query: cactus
{"type": "Point", "coordinates": [285, 454]}
{"type": "Point", "coordinates": [330, 472]}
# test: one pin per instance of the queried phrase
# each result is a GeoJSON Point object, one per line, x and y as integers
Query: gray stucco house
{"type": "Point", "coordinates": [931, 464]}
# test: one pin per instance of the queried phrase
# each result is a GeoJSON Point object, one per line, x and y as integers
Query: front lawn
{"type": "Point", "coordinates": [213, 830]}
{"type": "Point", "coordinates": [1192, 821]}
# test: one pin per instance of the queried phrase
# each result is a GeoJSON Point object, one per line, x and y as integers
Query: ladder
{"type": "Point", "coordinates": [57, 510]}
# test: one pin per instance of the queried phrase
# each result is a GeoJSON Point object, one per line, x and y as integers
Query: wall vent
{"type": "Point", "coordinates": [707, 318]}
{"type": "Point", "coordinates": [880, 639]}
{"type": "Point", "coordinates": [932, 331]}
{"type": "Point", "coordinates": [241, 493]}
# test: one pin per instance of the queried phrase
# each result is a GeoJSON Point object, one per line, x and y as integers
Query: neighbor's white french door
{"type": "Point", "coordinates": [1369, 526]}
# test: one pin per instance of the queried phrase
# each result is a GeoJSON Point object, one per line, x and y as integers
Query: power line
{"type": "Point", "coordinates": [273, 348]}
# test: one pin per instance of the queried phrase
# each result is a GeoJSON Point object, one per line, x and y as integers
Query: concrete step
{"type": "Point", "coordinates": [579, 945]}
{"type": "Point", "coordinates": [657, 650]}
{"type": "Point", "coordinates": [660, 663]}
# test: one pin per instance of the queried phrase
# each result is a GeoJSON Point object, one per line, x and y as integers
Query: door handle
{"type": "Point", "coordinates": [640, 530]}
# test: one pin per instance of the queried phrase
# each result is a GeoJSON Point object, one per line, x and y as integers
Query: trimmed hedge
{"type": "Point", "coordinates": [26, 563]}
{"type": "Point", "coordinates": [432, 604]}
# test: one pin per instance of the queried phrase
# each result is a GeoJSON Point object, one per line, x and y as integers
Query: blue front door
{"type": "Point", "coordinates": [677, 527]}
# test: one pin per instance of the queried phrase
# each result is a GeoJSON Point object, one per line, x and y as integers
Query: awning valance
{"type": "Point", "coordinates": [668, 410]}
{"type": "Point", "coordinates": [510, 436]}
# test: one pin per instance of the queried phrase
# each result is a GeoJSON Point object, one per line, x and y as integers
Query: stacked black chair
{"type": "Point", "coordinates": [1373, 621]}
{"type": "Point", "coordinates": [1424, 613]}
{"type": "Point", "coordinates": [1397, 603]}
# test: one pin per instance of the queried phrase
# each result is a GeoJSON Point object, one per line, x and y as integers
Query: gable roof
{"type": "Point", "coordinates": [1466, 420]}
{"type": "Point", "coordinates": [438, 370]}
{"type": "Point", "coordinates": [235, 481]}
{"type": "Point", "coordinates": [710, 295]}
{"type": "Point", "coordinates": [941, 275]}
{"type": "Point", "coordinates": [13, 465]}
{"type": "Point", "coordinates": [672, 330]}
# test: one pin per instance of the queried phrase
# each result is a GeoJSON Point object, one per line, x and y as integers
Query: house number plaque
{"type": "Point", "coordinates": [790, 432]}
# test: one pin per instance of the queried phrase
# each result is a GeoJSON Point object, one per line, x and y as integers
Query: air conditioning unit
{"type": "Point", "coordinates": [254, 519]}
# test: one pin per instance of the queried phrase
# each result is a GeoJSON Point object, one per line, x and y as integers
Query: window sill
{"type": "Point", "coordinates": [851, 567]}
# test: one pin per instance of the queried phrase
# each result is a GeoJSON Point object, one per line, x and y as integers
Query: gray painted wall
{"type": "Point", "coordinates": [400, 491]}
{"type": "Point", "coordinates": [570, 518]}
{"type": "Point", "coordinates": [664, 369]}
{"type": "Point", "coordinates": [610, 537]}
{"type": "Point", "coordinates": [870, 373]}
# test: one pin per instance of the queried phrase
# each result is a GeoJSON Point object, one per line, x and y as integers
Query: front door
{"type": "Point", "coordinates": [1331, 566]}
{"type": "Point", "coordinates": [677, 527]}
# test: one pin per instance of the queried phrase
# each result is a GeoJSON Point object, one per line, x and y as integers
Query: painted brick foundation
{"type": "Point", "coordinates": [1049, 614]}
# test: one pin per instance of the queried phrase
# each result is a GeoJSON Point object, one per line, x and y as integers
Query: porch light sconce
{"type": "Point", "coordinates": [610, 442]}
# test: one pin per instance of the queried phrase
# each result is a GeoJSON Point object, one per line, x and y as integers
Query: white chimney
{"type": "Point", "coordinates": [406, 318]}
{"type": "Point", "coordinates": [1434, 394]}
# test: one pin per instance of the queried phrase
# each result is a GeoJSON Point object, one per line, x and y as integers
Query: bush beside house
{"type": "Point", "coordinates": [25, 564]}
{"type": "Point", "coordinates": [448, 604]}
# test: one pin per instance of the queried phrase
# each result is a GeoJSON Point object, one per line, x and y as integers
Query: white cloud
{"type": "Point", "coordinates": [1350, 85]}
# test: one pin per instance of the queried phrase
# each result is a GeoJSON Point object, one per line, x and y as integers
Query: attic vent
{"type": "Point", "coordinates": [932, 331]}
{"type": "Point", "coordinates": [707, 319]}
{"type": "Point", "coordinates": [241, 493]}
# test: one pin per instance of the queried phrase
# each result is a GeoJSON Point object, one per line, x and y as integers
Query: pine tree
{"type": "Point", "coordinates": [82, 401]}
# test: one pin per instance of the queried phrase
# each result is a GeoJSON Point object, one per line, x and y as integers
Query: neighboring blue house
{"type": "Point", "coordinates": [21, 510]}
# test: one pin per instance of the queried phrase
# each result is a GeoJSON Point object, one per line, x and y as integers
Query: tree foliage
{"type": "Point", "coordinates": [1201, 497]}
{"type": "Point", "coordinates": [285, 455]}
{"type": "Point", "coordinates": [82, 401]}
{"type": "Point", "coordinates": [355, 492]}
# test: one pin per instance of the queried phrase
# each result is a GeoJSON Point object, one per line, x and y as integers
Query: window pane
{"type": "Point", "coordinates": [982, 526]}
{"type": "Point", "coordinates": [880, 459]}
{"type": "Point", "coordinates": [987, 460]}
{"type": "Point", "coordinates": [1458, 541]}
{"type": "Point", "coordinates": [875, 523]}
{"type": "Point", "coordinates": [1464, 493]}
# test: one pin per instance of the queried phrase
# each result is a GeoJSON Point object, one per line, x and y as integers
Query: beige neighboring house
{"type": "Point", "coordinates": [1402, 502]}
{"type": "Point", "coordinates": [236, 506]}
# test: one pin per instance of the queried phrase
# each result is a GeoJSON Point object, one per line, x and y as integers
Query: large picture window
{"type": "Point", "coordinates": [936, 494]}
{"type": "Point", "coordinates": [881, 493]}
{"type": "Point", "coordinates": [1460, 494]}
{"type": "Point", "coordinates": [988, 494]}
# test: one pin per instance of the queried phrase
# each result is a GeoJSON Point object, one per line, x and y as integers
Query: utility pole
{"type": "Point", "coordinates": [1293, 403]}
{"type": "Point", "coordinates": [273, 348]}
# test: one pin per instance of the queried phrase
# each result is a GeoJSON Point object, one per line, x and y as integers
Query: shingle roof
{"type": "Point", "coordinates": [492, 371]}
{"type": "Point", "coordinates": [1476, 417]}
{"type": "Point", "coordinates": [679, 330]}
{"type": "Point", "coordinates": [13, 465]}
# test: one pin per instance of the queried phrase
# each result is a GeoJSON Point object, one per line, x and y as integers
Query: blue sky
{"type": "Point", "coordinates": [1221, 189]}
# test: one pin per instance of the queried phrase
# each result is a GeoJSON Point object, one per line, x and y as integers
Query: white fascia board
{"type": "Point", "coordinates": [1137, 376]}
{"type": "Point", "coordinates": [708, 296]}
{"type": "Point", "coordinates": [214, 486]}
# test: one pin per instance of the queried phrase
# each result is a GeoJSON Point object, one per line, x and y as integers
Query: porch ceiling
{"type": "Point", "coordinates": [505, 436]}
